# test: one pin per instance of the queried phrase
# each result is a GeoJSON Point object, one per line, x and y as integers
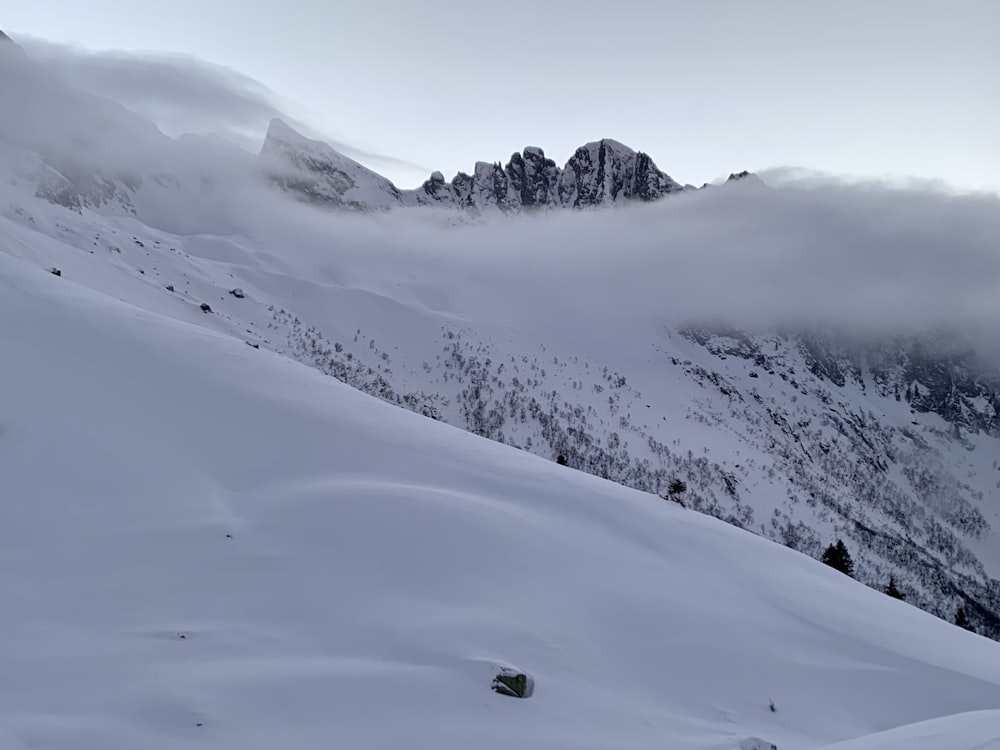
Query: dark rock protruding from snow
{"type": "Point", "coordinates": [534, 179]}
{"type": "Point", "coordinates": [238, 293]}
{"type": "Point", "coordinates": [598, 174]}
{"type": "Point", "coordinates": [434, 191]}
{"type": "Point", "coordinates": [608, 172]}
{"type": "Point", "coordinates": [513, 683]}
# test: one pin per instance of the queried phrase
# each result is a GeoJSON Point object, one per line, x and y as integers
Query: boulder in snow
{"type": "Point", "coordinates": [513, 683]}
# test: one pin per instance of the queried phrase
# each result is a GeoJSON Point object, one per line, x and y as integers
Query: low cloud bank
{"type": "Point", "coordinates": [808, 251]}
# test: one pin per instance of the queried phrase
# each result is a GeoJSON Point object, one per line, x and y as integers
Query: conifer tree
{"type": "Point", "coordinates": [837, 557]}
{"type": "Point", "coordinates": [962, 620]}
{"type": "Point", "coordinates": [892, 591]}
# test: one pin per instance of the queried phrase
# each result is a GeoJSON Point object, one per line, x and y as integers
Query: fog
{"type": "Point", "coordinates": [183, 94]}
{"type": "Point", "coordinates": [808, 250]}
{"type": "Point", "coordinates": [868, 260]}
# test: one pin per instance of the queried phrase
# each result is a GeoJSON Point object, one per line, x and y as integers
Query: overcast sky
{"type": "Point", "coordinates": [874, 88]}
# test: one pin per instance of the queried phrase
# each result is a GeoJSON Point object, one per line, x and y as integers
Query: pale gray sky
{"type": "Point", "coordinates": [874, 88]}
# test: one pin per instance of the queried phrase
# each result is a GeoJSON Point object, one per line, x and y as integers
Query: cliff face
{"type": "Point", "coordinates": [598, 174]}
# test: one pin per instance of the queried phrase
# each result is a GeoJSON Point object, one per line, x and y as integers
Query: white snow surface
{"type": "Point", "coordinates": [208, 545]}
{"type": "Point", "coordinates": [204, 544]}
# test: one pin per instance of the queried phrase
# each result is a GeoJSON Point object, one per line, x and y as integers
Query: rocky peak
{"type": "Point", "coordinates": [315, 172]}
{"type": "Point", "coordinates": [745, 178]}
{"type": "Point", "coordinates": [533, 178]}
{"type": "Point", "coordinates": [601, 173]}
{"type": "Point", "coordinates": [607, 171]}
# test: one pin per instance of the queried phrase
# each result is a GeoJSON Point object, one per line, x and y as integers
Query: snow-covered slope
{"type": "Point", "coordinates": [320, 174]}
{"type": "Point", "coordinates": [208, 544]}
{"type": "Point", "coordinates": [498, 330]}
{"type": "Point", "coordinates": [559, 333]}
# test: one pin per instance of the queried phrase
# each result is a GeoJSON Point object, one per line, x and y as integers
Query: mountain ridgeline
{"type": "Point", "coordinates": [601, 173]}
{"type": "Point", "coordinates": [65, 161]}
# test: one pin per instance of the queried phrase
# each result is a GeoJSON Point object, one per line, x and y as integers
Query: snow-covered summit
{"type": "Point", "coordinates": [317, 172]}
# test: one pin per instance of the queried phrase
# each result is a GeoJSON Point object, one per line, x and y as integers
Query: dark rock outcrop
{"type": "Point", "coordinates": [598, 174]}
{"type": "Point", "coordinates": [609, 172]}
{"type": "Point", "coordinates": [512, 683]}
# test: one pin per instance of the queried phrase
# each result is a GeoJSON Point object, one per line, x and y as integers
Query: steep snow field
{"type": "Point", "coordinates": [574, 318]}
{"type": "Point", "coordinates": [204, 544]}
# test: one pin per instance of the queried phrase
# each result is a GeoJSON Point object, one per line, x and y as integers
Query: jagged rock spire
{"type": "Point", "coordinates": [601, 173]}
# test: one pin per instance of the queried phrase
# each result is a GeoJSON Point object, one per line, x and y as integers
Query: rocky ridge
{"type": "Point", "coordinates": [600, 173]}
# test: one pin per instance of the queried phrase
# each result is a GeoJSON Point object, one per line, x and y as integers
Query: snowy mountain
{"type": "Point", "coordinates": [73, 162]}
{"type": "Point", "coordinates": [67, 161]}
{"type": "Point", "coordinates": [319, 174]}
{"type": "Point", "coordinates": [206, 543]}
{"type": "Point", "coordinates": [250, 553]}
{"type": "Point", "coordinates": [598, 174]}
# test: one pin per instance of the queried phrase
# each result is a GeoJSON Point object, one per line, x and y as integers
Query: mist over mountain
{"type": "Point", "coordinates": [810, 359]}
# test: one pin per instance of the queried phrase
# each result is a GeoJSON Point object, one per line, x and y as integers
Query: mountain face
{"type": "Point", "coordinates": [72, 160]}
{"type": "Point", "coordinates": [65, 145]}
{"type": "Point", "coordinates": [316, 173]}
{"type": "Point", "coordinates": [602, 173]}
{"type": "Point", "coordinates": [208, 545]}
{"type": "Point", "coordinates": [607, 172]}
{"type": "Point", "coordinates": [797, 436]}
